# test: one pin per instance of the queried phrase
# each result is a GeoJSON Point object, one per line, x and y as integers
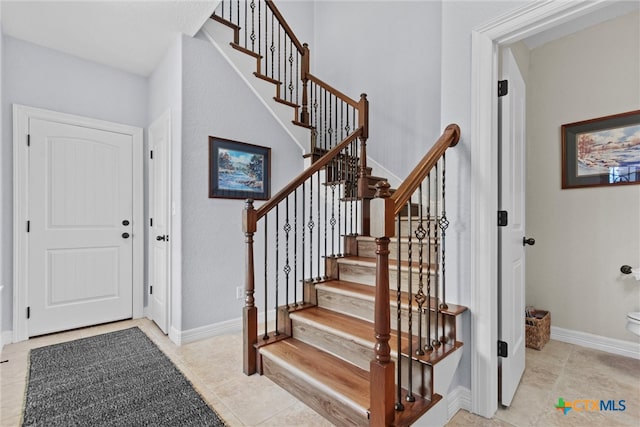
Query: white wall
{"type": "Point", "coordinates": [216, 102]}
{"type": "Point", "coordinates": [3, 235]}
{"type": "Point", "coordinates": [389, 50]}
{"type": "Point", "coordinates": [583, 236]}
{"type": "Point", "coordinates": [39, 77]}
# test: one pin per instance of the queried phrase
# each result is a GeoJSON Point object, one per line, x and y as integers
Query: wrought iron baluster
{"type": "Point", "coordinates": [272, 48]}
{"type": "Point", "coordinates": [245, 25]}
{"type": "Point", "coordinates": [266, 280]}
{"type": "Point", "coordinates": [319, 276]}
{"type": "Point", "coordinates": [279, 52]}
{"type": "Point", "coordinates": [339, 172]}
{"type": "Point", "coordinates": [436, 244]}
{"type": "Point", "coordinates": [291, 70]}
{"type": "Point", "coordinates": [444, 224]}
{"type": "Point", "coordinates": [399, 406]}
{"type": "Point", "coordinates": [410, 397]}
{"type": "Point", "coordinates": [428, 345]}
{"type": "Point", "coordinates": [287, 266]}
{"type": "Point", "coordinates": [304, 277]}
{"type": "Point", "coordinates": [238, 12]}
{"type": "Point", "coordinates": [420, 296]}
{"type": "Point", "coordinates": [326, 204]}
{"type": "Point", "coordinates": [295, 247]}
{"type": "Point", "coordinates": [332, 221]}
{"type": "Point", "coordinates": [311, 225]}
{"type": "Point", "coordinates": [252, 5]}
{"type": "Point", "coordinates": [330, 129]}
{"type": "Point", "coordinates": [277, 270]}
{"type": "Point", "coordinates": [259, 27]}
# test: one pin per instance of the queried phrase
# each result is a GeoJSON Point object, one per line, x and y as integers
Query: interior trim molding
{"type": "Point", "coordinates": [459, 398]}
{"type": "Point", "coordinates": [486, 40]}
{"type": "Point", "coordinates": [21, 116]}
{"type": "Point", "coordinates": [597, 342]}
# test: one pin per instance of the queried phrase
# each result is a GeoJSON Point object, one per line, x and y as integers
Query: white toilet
{"type": "Point", "coordinates": [633, 322]}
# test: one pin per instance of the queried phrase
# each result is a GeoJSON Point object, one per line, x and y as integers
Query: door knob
{"type": "Point", "coordinates": [161, 238]}
{"type": "Point", "coordinates": [125, 222]}
{"type": "Point", "coordinates": [530, 241]}
{"type": "Point", "coordinates": [125, 235]}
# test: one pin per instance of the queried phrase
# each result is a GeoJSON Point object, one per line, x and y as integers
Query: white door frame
{"type": "Point", "coordinates": [164, 117]}
{"type": "Point", "coordinates": [21, 117]}
{"type": "Point", "coordinates": [486, 41]}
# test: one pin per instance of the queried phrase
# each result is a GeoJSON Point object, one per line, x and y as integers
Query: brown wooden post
{"type": "Point", "coordinates": [363, 122]}
{"type": "Point", "coordinates": [304, 75]}
{"type": "Point", "coordinates": [382, 368]}
{"type": "Point", "coordinates": [249, 312]}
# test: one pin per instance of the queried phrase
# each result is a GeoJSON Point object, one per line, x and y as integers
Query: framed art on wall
{"type": "Point", "coordinates": [238, 170]}
{"type": "Point", "coordinates": [601, 152]}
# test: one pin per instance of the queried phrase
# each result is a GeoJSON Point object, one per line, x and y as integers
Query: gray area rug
{"type": "Point", "coordinates": [116, 379]}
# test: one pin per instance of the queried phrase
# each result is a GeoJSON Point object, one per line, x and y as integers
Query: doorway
{"type": "Point", "coordinates": [486, 42]}
{"type": "Point", "coordinates": [78, 235]}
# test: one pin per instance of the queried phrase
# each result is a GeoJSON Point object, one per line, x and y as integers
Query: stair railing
{"type": "Point", "coordinates": [262, 31]}
{"type": "Point", "coordinates": [303, 230]}
{"type": "Point", "coordinates": [421, 199]}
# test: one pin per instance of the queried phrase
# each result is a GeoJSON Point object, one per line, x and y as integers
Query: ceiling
{"type": "Point", "coordinates": [129, 35]}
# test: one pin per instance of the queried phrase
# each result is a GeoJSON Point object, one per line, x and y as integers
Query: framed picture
{"type": "Point", "coordinates": [602, 152]}
{"type": "Point", "coordinates": [238, 170]}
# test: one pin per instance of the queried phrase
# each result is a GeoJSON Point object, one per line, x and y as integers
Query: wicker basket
{"type": "Point", "coordinates": [538, 329]}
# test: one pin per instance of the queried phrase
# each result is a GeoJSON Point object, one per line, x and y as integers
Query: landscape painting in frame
{"type": "Point", "coordinates": [238, 170]}
{"type": "Point", "coordinates": [602, 152]}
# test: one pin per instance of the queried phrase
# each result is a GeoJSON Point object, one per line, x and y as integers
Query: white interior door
{"type": "Point", "coordinates": [511, 289]}
{"type": "Point", "coordinates": [80, 207]}
{"type": "Point", "coordinates": [159, 212]}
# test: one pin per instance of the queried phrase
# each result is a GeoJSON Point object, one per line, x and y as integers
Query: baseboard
{"type": "Point", "coordinates": [6, 337]}
{"type": "Point", "coordinates": [232, 326]}
{"type": "Point", "coordinates": [584, 339]}
{"type": "Point", "coordinates": [458, 398]}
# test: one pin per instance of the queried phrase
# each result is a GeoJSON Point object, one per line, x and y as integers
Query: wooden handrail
{"type": "Point", "coordinates": [449, 138]}
{"type": "Point", "coordinates": [315, 167]}
{"type": "Point", "coordinates": [285, 26]}
{"type": "Point", "coordinates": [333, 90]}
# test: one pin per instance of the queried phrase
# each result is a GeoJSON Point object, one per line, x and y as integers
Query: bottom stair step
{"type": "Point", "coordinates": [333, 387]}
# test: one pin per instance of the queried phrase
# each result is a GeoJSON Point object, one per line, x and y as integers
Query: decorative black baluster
{"type": "Point", "coordinates": [295, 247]}
{"type": "Point", "coordinates": [330, 130]}
{"type": "Point", "coordinates": [272, 48]}
{"type": "Point", "coordinates": [444, 224]}
{"type": "Point", "coordinates": [266, 287]}
{"type": "Point", "coordinates": [436, 243]}
{"type": "Point", "coordinates": [260, 28]}
{"type": "Point", "coordinates": [291, 76]}
{"type": "Point", "coordinates": [410, 397]}
{"type": "Point", "coordinates": [420, 296]}
{"type": "Point", "coordinates": [399, 406]}
{"type": "Point", "coordinates": [311, 225]}
{"type": "Point", "coordinates": [277, 270]}
{"type": "Point", "coordinates": [245, 25]}
{"type": "Point", "coordinates": [428, 345]}
{"type": "Point", "coordinates": [287, 266]}
{"type": "Point", "coordinates": [326, 204]}
{"type": "Point", "coordinates": [253, 25]}
{"type": "Point", "coordinates": [304, 277]}
{"type": "Point", "coordinates": [332, 221]}
{"type": "Point", "coordinates": [319, 258]}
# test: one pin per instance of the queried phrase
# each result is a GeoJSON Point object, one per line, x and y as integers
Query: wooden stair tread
{"type": "Point", "coordinates": [371, 262]}
{"type": "Point", "coordinates": [285, 102]}
{"type": "Point", "coordinates": [267, 79]}
{"type": "Point", "coordinates": [245, 50]}
{"type": "Point", "coordinates": [344, 381]}
{"type": "Point", "coordinates": [362, 332]}
{"type": "Point", "coordinates": [368, 292]}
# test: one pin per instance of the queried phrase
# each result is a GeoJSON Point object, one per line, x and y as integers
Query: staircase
{"type": "Point", "coordinates": [345, 301]}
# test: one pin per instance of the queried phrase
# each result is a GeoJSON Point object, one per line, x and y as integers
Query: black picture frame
{"type": "Point", "coordinates": [238, 170]}
{"type": "Point", "coordinates": [601, 152]}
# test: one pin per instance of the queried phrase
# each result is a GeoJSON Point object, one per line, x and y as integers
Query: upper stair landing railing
{"type": "Point", "coordinates": [261, 31]}
{"type": "Point", "coordinates": [416, 212]}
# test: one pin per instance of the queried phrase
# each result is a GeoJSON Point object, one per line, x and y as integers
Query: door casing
{"type": "Point", "coordinates": [486, 41]}
{"type": "Point", "coordinates": [21, 116]}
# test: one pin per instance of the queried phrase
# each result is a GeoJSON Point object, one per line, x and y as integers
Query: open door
{"type": "Point", "coordinates": [511, 234]}
{"type": "Point", "coordinates": [160, 220]}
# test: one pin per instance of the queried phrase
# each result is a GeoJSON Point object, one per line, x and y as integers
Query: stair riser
{"type": "Point", "coordinates": [360, 355]}
{"type": "Point", "coordinates": [366, 274]}
{"type": "Point", "coordinates": [323, 403]}
{"type": "Point", "coordinates": [367, 248]}
{"type": "Point", "coordinates": [364, 309]}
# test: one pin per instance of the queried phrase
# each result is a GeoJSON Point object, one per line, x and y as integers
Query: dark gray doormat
{"type": "Point", "coordinates": [116, 379]}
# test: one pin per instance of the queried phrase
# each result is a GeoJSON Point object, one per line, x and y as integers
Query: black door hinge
{"type": "Point", "coordinates": [28, 226]}
{"type": "Point", "coordinates": [503, 349]}
{"type": "Point", "coordinates": [150, 290]}
{"type": "Point", "coordinates": [503, 87]}
{"type": "Point", "coordinates": [151, 154]}
{"type": "Point", "coordinates": [28, 140]}
{"type": "Point", "coordinates": [503, 218]}
{"type": "Point", "coordinates": [150, 222]}
{"type": "Point", "coordinates": [28, 312]}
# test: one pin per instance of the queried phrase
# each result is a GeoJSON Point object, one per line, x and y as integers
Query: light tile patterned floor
{"type": "Point", "coordinates": [214, 367]}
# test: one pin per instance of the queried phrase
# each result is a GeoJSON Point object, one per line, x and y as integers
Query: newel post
{"type": "Point", "coordinates": [363, 122]}
{"type": "Point", "coordinates": [382, 367]}
{"type": "Point", "coordinates": [304, 75]}
{"type": "Point", "coordinates": [249, 312]}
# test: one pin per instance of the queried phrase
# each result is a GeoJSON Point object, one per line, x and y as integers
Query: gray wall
{"type": "Point", "coordinates": [583, 236]}
{"type": "Point", "coordinates": [216, 102]}
{"type": "Point", "coordinates": [391, 51]}
{"type": "Point", "coordinates": [39, 77]}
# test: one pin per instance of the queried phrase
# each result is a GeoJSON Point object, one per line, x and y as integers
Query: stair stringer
{"type": "Point", "coordinates": [244, 65]}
